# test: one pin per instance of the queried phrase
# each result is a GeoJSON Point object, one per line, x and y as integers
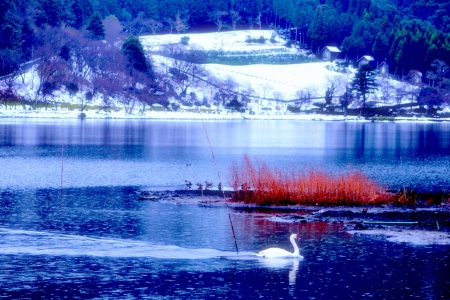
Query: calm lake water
{"type": "Point", "coordinates": [95, 239]}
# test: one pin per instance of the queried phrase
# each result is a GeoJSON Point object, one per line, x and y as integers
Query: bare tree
{"type": "Point", "coordinates": [246, 91]}
{"type": "Point", "coordinates": [263, 91]}
{"type": "Point", "coordinates": [386, 88]}
{"type": "Point", "coordinates": [401, 93]}
{"type": "Point", "coordinates": [113, 30]}
{"type": "Point", "coordinates": [108, 80]}
{"type": "Point", "coordinates": [154, 25]}
{"type": "Point", "coordinates": [181, 22]}
{"type": "Point", "coordinates": [227, 88]}
{"type": "Point", "coordinates": [235, 18]}
{"type": "Point", "coordinates": [185, 65]}
{"type": "Point", "coordinates": [52, 72]}
{"type": "Point", "coordinates": [150, 93]}
{"type": "Point", "coordinates": [345, 99]}
{"type": "Point", "coordinates": [250, 21]}
{"type": "Point", "coordinates": [218, 18]}
{"type": "Point", "coordinates": [170, 24]}
{"type": "Point", "coordinates": [413, 88]}
{"type": "Point", "coordinates": [136, 26]}
{"type": "Point", "coordinates": [258, 20]}
{"type": "Point", "coordinates": [279, 96]}
{"type": "Point", "coordinates": [438, 72]}
{"type": "Point", "coordinates": [304, 98]}
{"type": "Point", "coordinates": [8, 93]}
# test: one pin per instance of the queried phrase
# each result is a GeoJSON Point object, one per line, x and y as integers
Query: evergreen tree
{"type": "Point", "coordinates": [107, 8]}
{"type": "Point", "coordinates": [317, 31]}
{"type": "Point", "coordinates": [10, 32]}
{"type": "Point", "coordinates": [96, 28]}
{"type": "Point", "coordinates": [352, 45]}
{"type": "Point", "coordinates": [133, 50]}
{"type": "Point", "coordinates": [52, 12]}
{"type": "Point", "coordinates": [364, 83]}
{"type": "Point", "coordinates": [352, 6]}
{"type": "Point", "coordinates": [150, 9]}
{"type": "Point", "coordinates": [11, 37]}
{"type": "Point", "coordinates": [378, 48]}
{"type": "Point", "coordinates": [82, 11]}
{"type": "Point", "coordinates": [429, 97]}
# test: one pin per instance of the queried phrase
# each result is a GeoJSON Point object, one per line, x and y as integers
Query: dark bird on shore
{"type": "Point", "coordinates": [188, 183]}
{"type": "Point", "coordinates": [200, 186]}
{"type": "Point", "coordinates": [208, 184]}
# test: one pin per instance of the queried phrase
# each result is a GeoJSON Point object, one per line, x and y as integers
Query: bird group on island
{"type": "Point", "coordinates": [207, 185]}
{"type": "Point", "coordinates": [281, 253]}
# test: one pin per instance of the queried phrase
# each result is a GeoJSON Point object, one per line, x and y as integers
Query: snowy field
{"type": "Point", "coordinates": [229, 41]}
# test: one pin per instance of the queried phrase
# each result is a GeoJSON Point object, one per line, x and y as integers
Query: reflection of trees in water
{"type": "Point", "coordinates": [366, 141]}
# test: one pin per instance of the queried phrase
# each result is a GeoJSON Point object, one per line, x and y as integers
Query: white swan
{"type": "Point", "coordinates": [278, 252]}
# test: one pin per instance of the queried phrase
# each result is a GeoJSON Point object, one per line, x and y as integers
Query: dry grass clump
{"type": "Point", "coordinates": [255, 182]}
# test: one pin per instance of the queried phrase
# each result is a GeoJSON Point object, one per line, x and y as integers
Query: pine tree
{"type": "Point", "coordinates": [96, 28]}
{"type": "Point", "coordinates": [53, 11]}
{"type": "Point", "coordinates": [364, 83]}
{"type": "Point", "coordinates": [82, 10]}
{"type": "Point", "coordinates": [318, 30]}
{"type": "Point", "coordinates": [136, 60]}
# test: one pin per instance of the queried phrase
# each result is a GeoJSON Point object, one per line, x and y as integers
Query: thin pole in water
{"type": "Point", "coordinates": [62, 168]}
{"type": "Point", "coordinates": [220, 183]}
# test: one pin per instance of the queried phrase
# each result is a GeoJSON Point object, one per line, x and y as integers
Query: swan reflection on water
{"type": "Point", "coordinates": [278, 258]}
{"type": "Point", "coordinates": [282, 263]}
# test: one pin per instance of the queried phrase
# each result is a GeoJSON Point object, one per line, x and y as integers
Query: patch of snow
{"type": "Point", "coordinates": [415, 237]}
{"type": "Point", "coordinates": [221, 41]}
{"type": "Point", "coordinates": [283, 79]}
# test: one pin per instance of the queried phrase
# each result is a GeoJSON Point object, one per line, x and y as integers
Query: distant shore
{"type": "Point", "coordinates": [170, 115]}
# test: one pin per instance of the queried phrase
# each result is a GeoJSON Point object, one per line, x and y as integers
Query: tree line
{"type": "Point", "coordinates": [406, 34]}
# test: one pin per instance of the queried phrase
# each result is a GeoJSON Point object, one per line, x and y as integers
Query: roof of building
{"type": "Point", "coordinates": [416, 72]}
{"type": "Point", "coordinates": [332, 49]}
{"type": "Point", "coordinates": [366, 57]}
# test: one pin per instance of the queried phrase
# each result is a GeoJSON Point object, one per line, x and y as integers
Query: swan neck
{"type": "Point", "coordinates": [296, 251]}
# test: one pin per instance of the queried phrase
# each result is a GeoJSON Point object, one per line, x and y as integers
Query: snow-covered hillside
{"type": "Point", "coordinates": [271, 81]}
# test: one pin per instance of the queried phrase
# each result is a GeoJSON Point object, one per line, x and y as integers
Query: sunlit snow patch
{"type": "Point", "coordinates": [415, 237]}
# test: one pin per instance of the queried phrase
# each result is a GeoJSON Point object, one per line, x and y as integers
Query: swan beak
{"type": "Point", "coordinates": [299, 238]}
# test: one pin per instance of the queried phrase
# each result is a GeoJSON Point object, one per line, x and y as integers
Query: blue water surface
{"type": "Point", "coordinates": [72, 226]}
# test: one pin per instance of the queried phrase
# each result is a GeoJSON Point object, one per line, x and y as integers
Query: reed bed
{"type": "Point", "coordinates": [255, 182]}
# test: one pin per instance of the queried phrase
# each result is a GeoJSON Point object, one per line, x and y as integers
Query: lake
{"type": "Point", "coordinates": [71, 224]}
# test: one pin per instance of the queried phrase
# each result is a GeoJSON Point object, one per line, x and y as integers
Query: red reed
{"type": "Point", "coordinates": [255, 182]}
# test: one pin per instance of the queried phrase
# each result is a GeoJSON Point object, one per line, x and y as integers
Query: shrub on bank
{"type": "Point", "coordinates": [255, 182]}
